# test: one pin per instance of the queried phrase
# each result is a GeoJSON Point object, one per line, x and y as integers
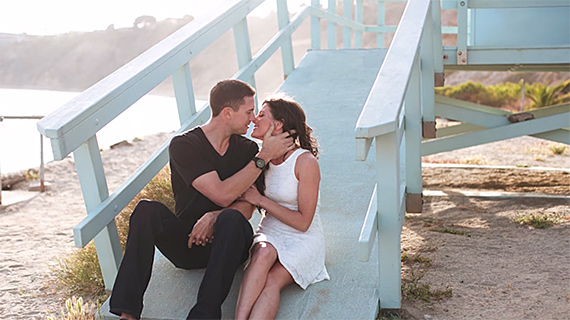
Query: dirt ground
{"type": "Point", "coordinates": [495, 268]}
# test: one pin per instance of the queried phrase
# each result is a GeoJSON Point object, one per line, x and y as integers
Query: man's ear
{"type": "Point", "coordinates": [227, 113]}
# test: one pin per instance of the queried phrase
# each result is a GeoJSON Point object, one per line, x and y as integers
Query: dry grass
{"type": "Point", "coordinates": [79, 273]}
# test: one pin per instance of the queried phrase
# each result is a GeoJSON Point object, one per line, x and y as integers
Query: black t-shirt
{"type": "Point", "coordinates": [192, 155]}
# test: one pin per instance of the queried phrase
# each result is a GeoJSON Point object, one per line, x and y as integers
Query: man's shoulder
{"type": "Point", "coordinates": [194, 134]}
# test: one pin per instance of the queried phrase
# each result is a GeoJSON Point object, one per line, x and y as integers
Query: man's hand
{"type": "Point", "coordinates": [275, 146]}
{"type": "Point", "coordinates": [203, 231]}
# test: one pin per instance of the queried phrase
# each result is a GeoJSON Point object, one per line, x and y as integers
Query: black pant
{"type": "Point", "coordinates": [153, 224]}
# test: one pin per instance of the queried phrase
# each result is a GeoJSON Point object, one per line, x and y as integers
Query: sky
{"type": "Point", "coordinates": [49, 17]}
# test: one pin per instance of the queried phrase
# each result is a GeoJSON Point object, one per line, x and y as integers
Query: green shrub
{"type": "Point", "coordinates": [499, 95]}
{"type": "Point", "coordinates": [544, 95]}
{"type": "Point", "coordinates": [536, 220]}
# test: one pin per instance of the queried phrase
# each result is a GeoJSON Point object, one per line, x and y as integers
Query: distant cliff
{"type": "Point", "coordinates": [75, 61]}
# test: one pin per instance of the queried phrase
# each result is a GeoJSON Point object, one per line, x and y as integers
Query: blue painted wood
{"type": "Point", "coordinates": [331, 27]}
{"type": "Point", "coordinates": [345, 22]}
{"type": "Point", "coordinates": [389, 220]}
{"type": "Point", "coordinates": [243, 49]}
{"type": "Point", "coordinates": [184, 93]}
{"type": "Point", "coordinates": [511, 59]}
{"type": "Point", "coordinates": [462, 32]}
{"type": "Point", "coordinates": [381, 23]}
{"type": "Point", "coordinates": [369, 229]}
{"type": "Point", "coordinates": [346, 32]}
{"type": "Point", "coordinates": [521, 27]}
{"type": "Point", "coordinates": [315, 28]}
{"type": "Point", "coordinates": [413, 119]}
{"type": "Point", "coordinates": [271, 47]}
{"type": "Point", "coordinates": [383, 107]}
{"type": "Point", "coordinates": [358, 17]}
{"type": "Point", "coordinates": [94, 188]}
{"type": "Point", "coordinates": [535, 126]}
{"type": "Point", "coordinates": [428, 62]}
{"type": "Point", "coordinates": [437, 36]}
{"type": "Point", "coordinates": [287, 47]}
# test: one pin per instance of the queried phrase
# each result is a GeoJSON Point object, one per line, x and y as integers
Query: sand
{"type": "Point", "coordinates": [496, 269]}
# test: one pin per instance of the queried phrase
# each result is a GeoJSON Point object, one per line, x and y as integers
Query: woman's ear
{"type": "Point", "coordinates": [278, 126]}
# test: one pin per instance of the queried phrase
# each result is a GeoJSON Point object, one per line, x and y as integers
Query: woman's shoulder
{"type": "Point", "coordinates": [306, 162]}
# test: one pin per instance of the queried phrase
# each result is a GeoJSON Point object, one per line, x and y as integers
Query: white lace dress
{"type": "Point", "coordinates": [301, 253]}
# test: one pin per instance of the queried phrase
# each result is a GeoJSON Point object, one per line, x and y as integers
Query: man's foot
{"type": "Point", "coordinates": [126, 316]}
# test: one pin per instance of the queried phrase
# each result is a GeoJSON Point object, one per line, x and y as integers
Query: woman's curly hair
{"type": "Point", "coordinates": [293, 117]}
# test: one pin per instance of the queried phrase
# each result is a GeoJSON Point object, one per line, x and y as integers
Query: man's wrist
{"type": "Point", "coordinates": [264, 156]}
{"type": "Point", "coordinates": [259, 163]}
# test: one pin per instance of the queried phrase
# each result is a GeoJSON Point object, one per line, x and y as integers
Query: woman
{"type": "Point", "coordinates": [289, 244]}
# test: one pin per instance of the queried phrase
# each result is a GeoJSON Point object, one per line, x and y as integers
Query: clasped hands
{"type": "Point", "coordinates": [203, 231]}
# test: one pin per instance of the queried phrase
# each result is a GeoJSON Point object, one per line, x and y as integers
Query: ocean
{"type": "Point", "coordinates": [20, 139]}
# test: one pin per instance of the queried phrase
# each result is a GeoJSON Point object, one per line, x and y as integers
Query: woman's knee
{"type": "Point", "coordinates": [263, 253]}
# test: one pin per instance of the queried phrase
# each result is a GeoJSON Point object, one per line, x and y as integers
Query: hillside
{"type": "Point", "coordinates": [75, 61]}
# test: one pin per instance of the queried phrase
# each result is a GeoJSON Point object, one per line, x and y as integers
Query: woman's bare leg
{"type": "Point", "coordinates": [267, 304]}
{"type": "Point", "coordinates": [263, 258]}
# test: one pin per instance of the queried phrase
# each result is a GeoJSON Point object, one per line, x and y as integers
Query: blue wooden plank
{"type": "Point", "coordinates": [369, 229]}
{"type": "Point", "coordinates": [184, 93]}
{"type": "Point", "coordinates": [287, 46]}
{"type": "Point", "coordinates": [315, 28]}
{"type": "Point", "coordinates": [535, 126]}
{"type": "Point", "coordinates": [94, 188]}
{"type": "Point", "coordinates": [331, 27]}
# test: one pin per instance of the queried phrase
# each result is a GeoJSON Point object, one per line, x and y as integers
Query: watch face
{"type": "Point", "coordinates": [260, 163]}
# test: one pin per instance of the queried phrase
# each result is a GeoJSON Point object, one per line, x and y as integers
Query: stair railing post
{"type": "Point", "coordinates": [331, 26]}
{"type": "Point", "coordinates": [184, 93]}
{"type": "Point", "coordinates": [346, 32]}
{"type": "Point", "coordinates": [381, 22]}
{"type": "Point", "coordinates": [243, 48]}
{"type": "Point", "coordinates": [437, 43]}
{"type": "Point", "coordinates": [358, 17]}
{"type": "Point", "coordinates": [93, 184]}
{"type": "Point", "coordinates": [287, 46]}
{"type": "Point", "coordinates": [389, 220]}
{"type": "Point", "coordinates": [428, 79]}
{"type": "Point", "coordinates": [315, 28]}
{"type": "Point", "coordinates": [462, 30]}
{"type": "Point", "coordinates": [413, 120]}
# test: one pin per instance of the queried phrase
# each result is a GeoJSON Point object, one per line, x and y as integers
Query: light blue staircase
{"type": "Point", "coordinates": [382, 97]}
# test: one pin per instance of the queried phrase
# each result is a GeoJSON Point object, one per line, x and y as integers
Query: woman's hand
{"type": "Point", "coordinates": [252, 196]}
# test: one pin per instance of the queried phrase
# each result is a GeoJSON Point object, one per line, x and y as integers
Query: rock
{"type": "Point", "coordinates": [123, 143]}
{"type": "Point", "coordinates": [520, 117]}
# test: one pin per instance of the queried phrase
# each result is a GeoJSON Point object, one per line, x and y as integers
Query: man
{"type": "Point", "coordinates": [211, 166]}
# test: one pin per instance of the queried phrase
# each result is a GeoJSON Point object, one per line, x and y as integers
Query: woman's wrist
{"type": "Point", "coordinates": [259, 202]}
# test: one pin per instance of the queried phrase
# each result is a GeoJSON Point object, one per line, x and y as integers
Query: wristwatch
{"type": "Point", "coordinates": [260, 163]}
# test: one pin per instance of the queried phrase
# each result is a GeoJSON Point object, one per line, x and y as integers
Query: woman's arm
{"type": "Point", "coordinates": [308, 173]}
